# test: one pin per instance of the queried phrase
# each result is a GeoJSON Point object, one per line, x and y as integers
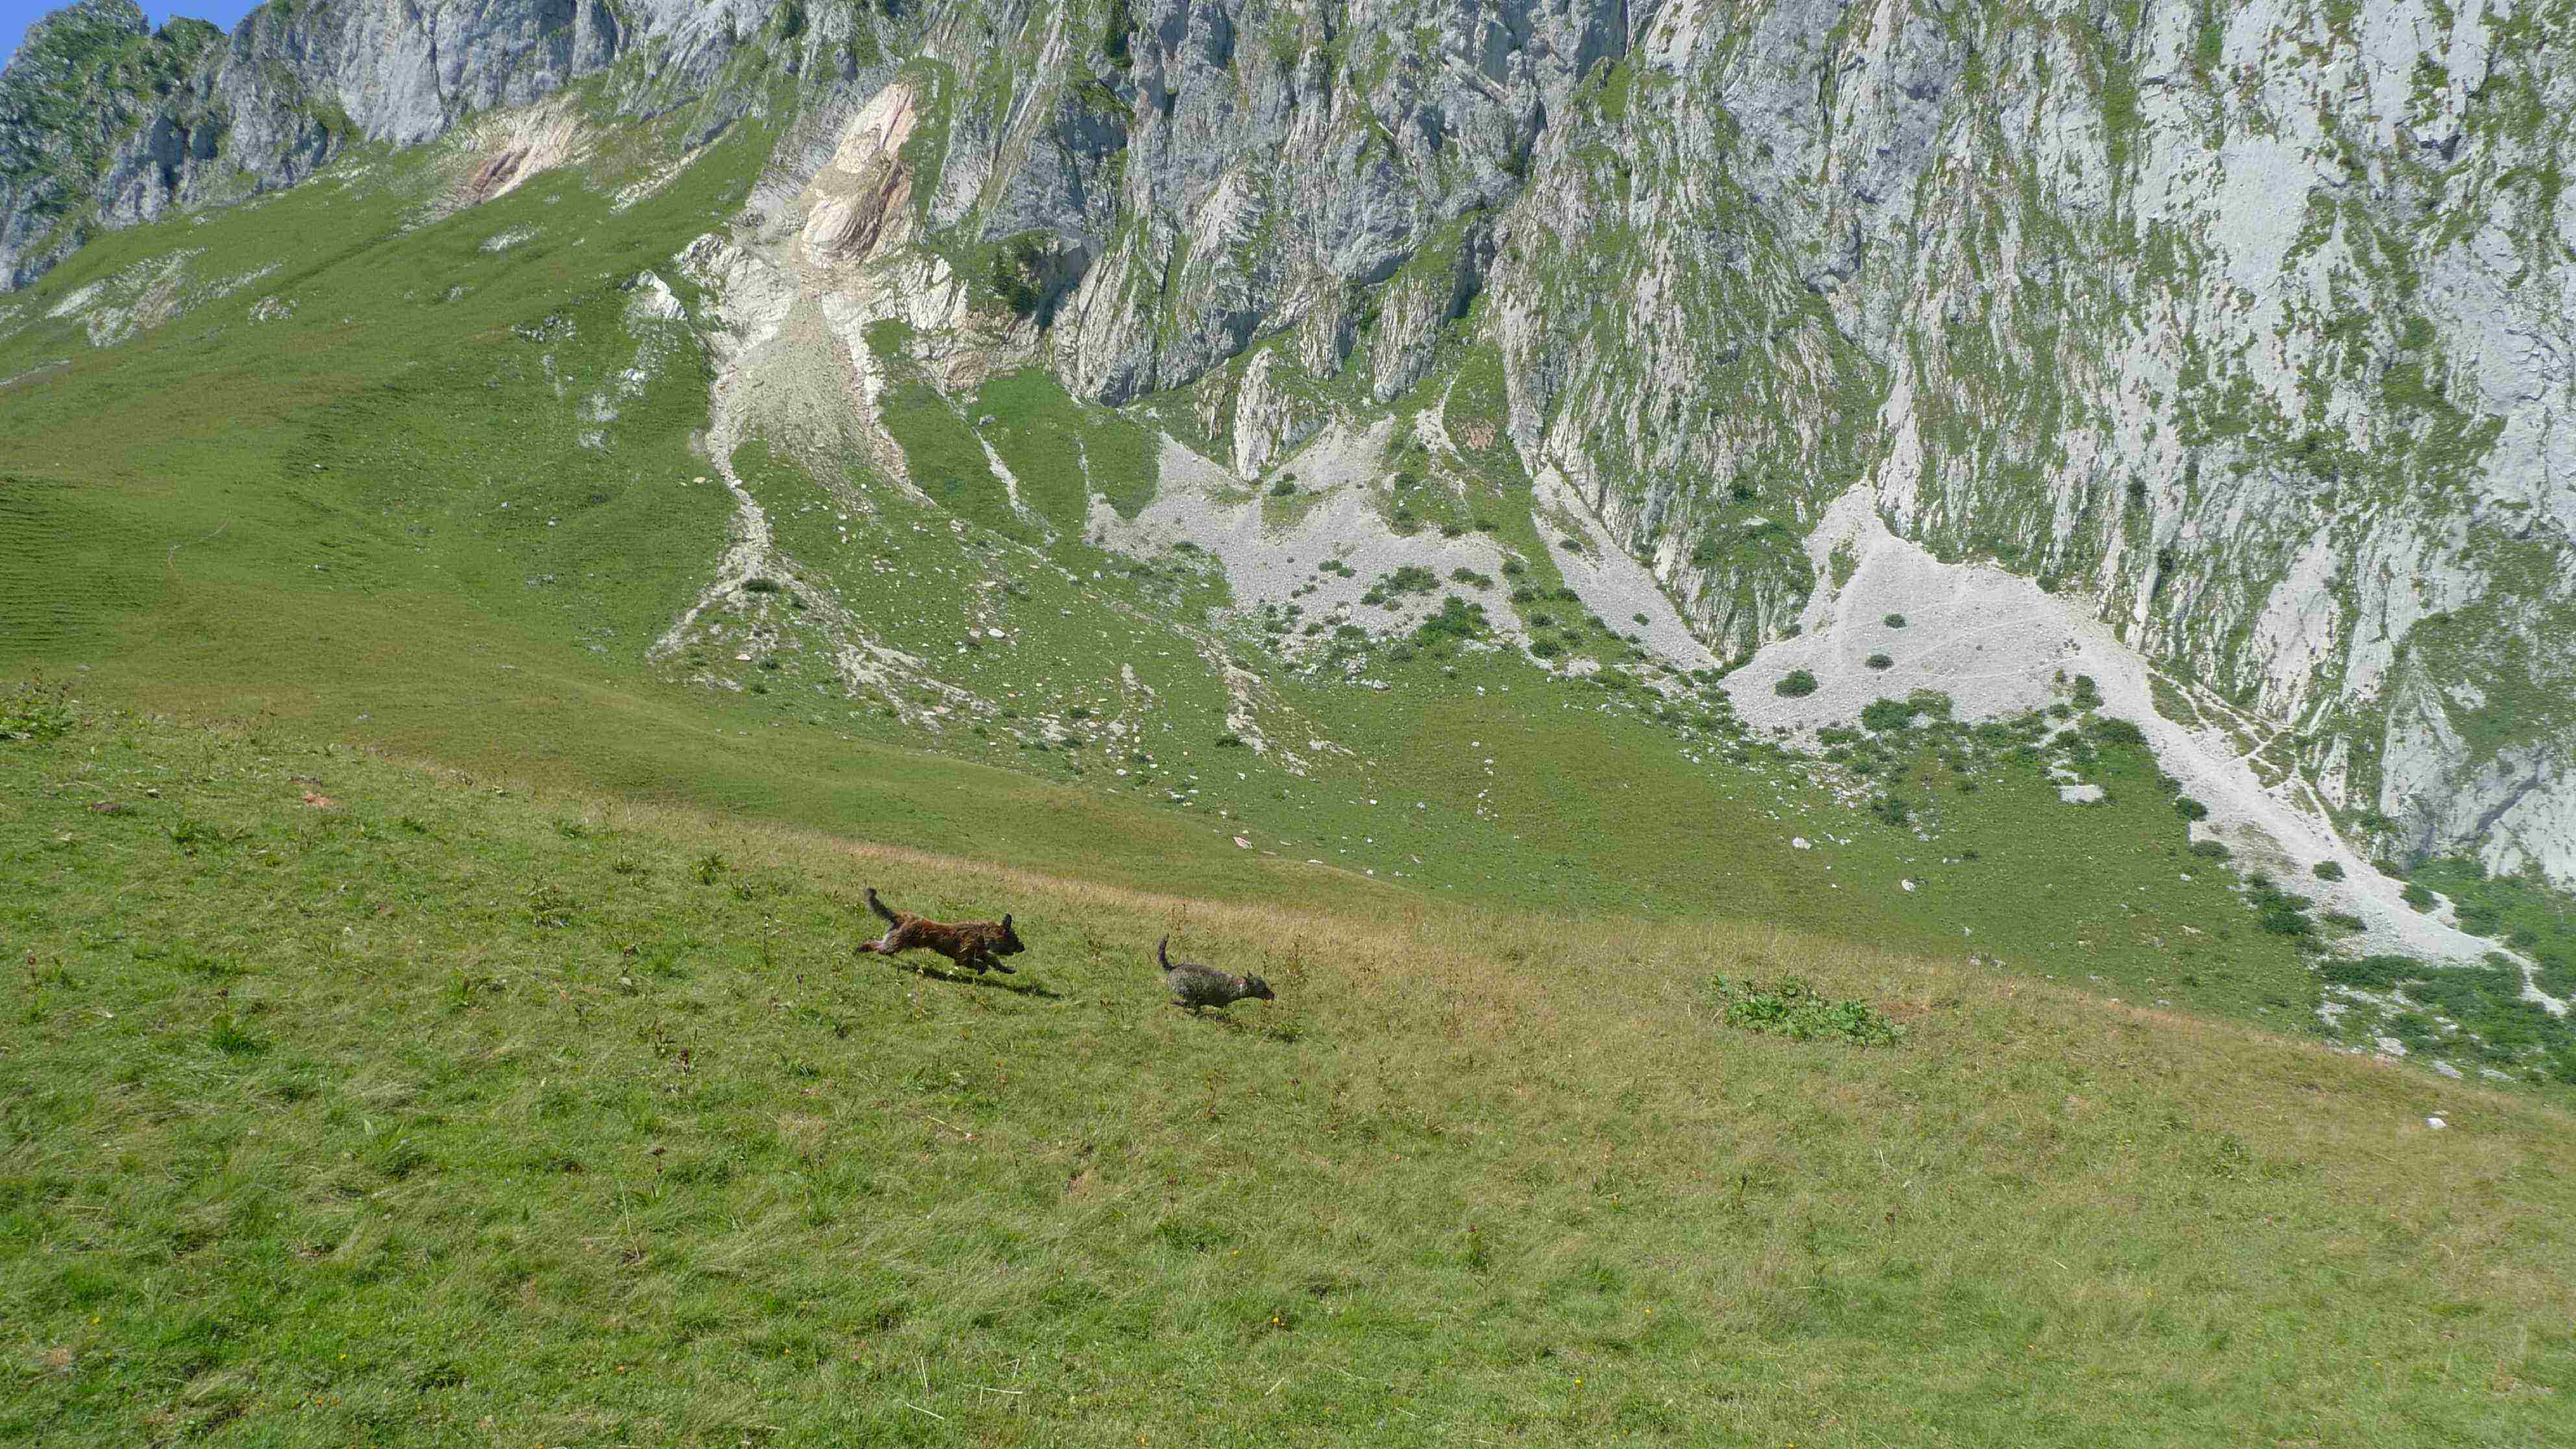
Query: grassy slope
{"type": "Point", "coordinates": [362, 1122]}
{"type": "Point", "coordinates": [377, 519]}
{"type": "Point", "coordinates": [345, 558]}
{"type": "Point", "coordinates": [337, 481]}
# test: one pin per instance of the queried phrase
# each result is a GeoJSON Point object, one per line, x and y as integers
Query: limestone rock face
{"type": "Point", "coordinates": [105, 122]}
{"type": "Point", "coordinates": [2253, 326]}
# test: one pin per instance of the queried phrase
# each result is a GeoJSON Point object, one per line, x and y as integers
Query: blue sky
{"type": "Point", "coordinates": [17, 15]}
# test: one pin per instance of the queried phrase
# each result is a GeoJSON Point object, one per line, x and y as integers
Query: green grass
{"type": "Point", "coordinates": [442, 1105]}
{"type": "Point", "coordinates": [395, 518]}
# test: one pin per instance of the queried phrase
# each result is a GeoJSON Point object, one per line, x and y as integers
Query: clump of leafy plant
{"type": "Point", "coordinates": [1797, 685]}
{"type": "Point", "coordinates": [1799, 1012]}
{"type": "Point", "coordinates": [2280, 913]}
{"type": "Point", "coordinates": [33, 712]}
{"type": "Point", "coordinates": [1887, 714]}
{"type": "Point", "coordinates": [1457, 619]}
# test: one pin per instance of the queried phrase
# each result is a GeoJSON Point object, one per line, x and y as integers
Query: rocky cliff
{"type": "Point", "coordinates": [2250, 326]}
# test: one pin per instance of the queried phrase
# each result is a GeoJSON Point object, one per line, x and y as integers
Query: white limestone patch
{"type": "Point", "coordinates": [1998, 645]}
{"type": "Point", "coordinates": [1609, 581]}
{"type": "Point", "coordinates": [146, 295]}
{"type": "Point", "coordinates": [76, 299]}
{"type": "Point", "coordinates": [504, 151]}
{"type": "Point", "coordinates": [1336, 519]}
{"type": "Point", "coordinates": [657, 322]}
{"type": "Point", "coordinates": [644, 188]}
{"type": "Point", "coordinates": [1992, 641]}
{"type": "Point", "coordinates": [37, 371]}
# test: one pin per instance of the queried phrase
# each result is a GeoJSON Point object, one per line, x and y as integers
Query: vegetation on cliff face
{"type": "Point", "coordinates": [2238, 326]}
{"type": "Point", "coordinates": [94, 103]}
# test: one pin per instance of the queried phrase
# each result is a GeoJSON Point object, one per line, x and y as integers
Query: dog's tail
{"type": "Point", "coordinates": [880, 908]}
{"type": "Point", "coordinates": [1162, 952]}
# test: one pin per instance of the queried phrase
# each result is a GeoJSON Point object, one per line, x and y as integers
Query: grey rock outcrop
{"type": "Point", "coordinates": [106, 122]}
{"type": "Point", "coordinates": [2250, 326]}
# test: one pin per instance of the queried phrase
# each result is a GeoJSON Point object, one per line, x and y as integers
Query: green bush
{"type": "Point", "coordinates": [1457, 619]}
{"type": "Point", "coordinates": [1894, 621]}
{"type": "Point", "coordinates": [2281, 919]}
{"type": "Point", "coordinates": [2190, 809]}
{"type": "Point", "coordinates": [1018, 273]}
{"type": "Point", "coordinates": [1283, 489]}
{"type": "Point", "coordinates": [1796, 1010]}
{"type": "Point", "coordinates": [1797, 685]}
{"type": "Point", "coordinates": [2557, 974]}
{"type": "Point", "coordinates": [1879, 661]}
{"type": "Point", "coordinates": [2118, 732]}
{"type": "Point", "coordinates": [2418, 897]}
{"type": "Point", "coordinates": [1887, 714]}
{"type": "Point", "coordinates": [2329, 870]}
{"type": "Point", "coordinates": [2371, 973]}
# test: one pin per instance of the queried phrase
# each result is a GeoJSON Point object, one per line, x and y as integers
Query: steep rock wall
{"type": "Point", "coordinates": [2250, 326]}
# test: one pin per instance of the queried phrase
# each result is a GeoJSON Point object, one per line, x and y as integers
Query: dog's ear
{"type": "Point", "coordinates": [1006, 923]}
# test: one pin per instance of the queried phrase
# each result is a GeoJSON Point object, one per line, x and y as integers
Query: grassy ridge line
{"type": "Point", "coordinates": [361, 1122]}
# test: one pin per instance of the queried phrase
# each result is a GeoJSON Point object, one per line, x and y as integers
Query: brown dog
{"type": "Point", "coordinates": [975, 945]}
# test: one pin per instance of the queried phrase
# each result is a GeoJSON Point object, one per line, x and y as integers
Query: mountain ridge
{"type": "Point", "coordinates": [1734, 265]}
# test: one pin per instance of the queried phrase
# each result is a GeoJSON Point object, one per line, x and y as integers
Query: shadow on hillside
{"type": "Point", "coordinates": [1286, 1032]}
{"type": "Point", "coordinates": [989, 983]}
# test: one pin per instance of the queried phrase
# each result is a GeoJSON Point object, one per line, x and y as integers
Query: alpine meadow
{"type": "Point", "coordinates": [764, 722]}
